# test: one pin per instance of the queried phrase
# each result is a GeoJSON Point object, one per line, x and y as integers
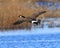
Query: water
{"type": "Point", "coordinates": [50, 5]}
{"type": "Point", "coordinates": [45, 3]}
{"type": "Point", "coordinates": [30, 41]}
{"type": "Point", "coordinates": [36, 37]}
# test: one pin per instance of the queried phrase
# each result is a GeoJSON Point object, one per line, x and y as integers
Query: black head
{"type": "Point", "coordinates": [21, 16]}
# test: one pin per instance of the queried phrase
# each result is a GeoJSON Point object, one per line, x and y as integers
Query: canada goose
{"type": "Point", "coordinates": [29, 19]}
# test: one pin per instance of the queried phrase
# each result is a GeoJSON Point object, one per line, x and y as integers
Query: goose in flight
{"type": "Point", "coordinates": [30, 19]}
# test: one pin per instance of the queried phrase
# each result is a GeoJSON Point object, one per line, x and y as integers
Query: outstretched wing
{"type": "Point", "coordinates": [18, 22]}
{"type": "Point", "coordinates": [37, 14]}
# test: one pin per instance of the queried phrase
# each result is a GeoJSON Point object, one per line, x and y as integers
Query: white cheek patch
{"type": "Point", "coordinates": [34, 21]}
{"type": "Point", "coordinates": [20, 16]}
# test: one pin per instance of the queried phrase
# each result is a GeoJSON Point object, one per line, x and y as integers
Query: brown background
{"type": "Point", "coordinates": [11, 9]}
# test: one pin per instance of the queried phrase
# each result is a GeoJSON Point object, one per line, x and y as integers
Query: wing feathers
{"type": "Point", "coordinates": [37, 14]}
{"type": "Point", "coordinates": [18, 22]}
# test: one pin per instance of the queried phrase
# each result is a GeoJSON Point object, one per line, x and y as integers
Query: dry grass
{"type": "Point", "coordinates": [11, 9]}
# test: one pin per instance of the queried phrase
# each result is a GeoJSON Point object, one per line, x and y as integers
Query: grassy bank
{"type": "Point", "coordinates": [11, 9]}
